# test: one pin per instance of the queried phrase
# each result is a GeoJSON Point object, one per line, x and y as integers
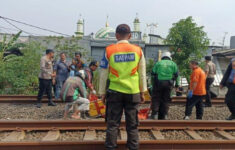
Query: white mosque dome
{"type": "Point", "coordinates": [106, 32]}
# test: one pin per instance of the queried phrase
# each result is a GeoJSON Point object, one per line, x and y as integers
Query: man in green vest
{"type": "Point", "coordinates": [124, 66]}
{"type": "Point", "coordinates": [164, 73]}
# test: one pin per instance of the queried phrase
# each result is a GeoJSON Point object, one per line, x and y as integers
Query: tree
{"type": "Point", "coordinates": [188, 42]}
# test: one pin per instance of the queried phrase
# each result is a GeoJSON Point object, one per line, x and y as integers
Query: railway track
{"type": "Point", "coordinates": [33, 98]}
{"type": "Point", "coordinates": [86, 135]}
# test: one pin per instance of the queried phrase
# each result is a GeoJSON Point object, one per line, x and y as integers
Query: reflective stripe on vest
{"type": "Point", "coordinates": [123, 65]}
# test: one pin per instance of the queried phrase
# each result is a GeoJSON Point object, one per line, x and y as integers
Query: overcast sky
{"type": "Point", "coordinates": [61, 15]}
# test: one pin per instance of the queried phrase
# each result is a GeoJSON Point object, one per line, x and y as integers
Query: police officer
{"type": "Point", "coordinates": [210, 70]}
{"type": "Point", "coordinates": [229, 81]}
{"type": "Point", "coordinates": [45, 78]}
{"type": "Point", "coordinates": [124, 65]}
{"type": "Point", "coordinates": [164, 73]}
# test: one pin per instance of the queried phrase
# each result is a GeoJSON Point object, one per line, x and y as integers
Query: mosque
{"type": "Point", "coordinates": [150, 43]}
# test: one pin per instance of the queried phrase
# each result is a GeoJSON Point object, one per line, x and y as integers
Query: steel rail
{"type": "Point", "coordinates": [99, 124]}
{"type": "Point", "coordinates": [33, 98]}
{"type": "Point", "coordinates": [144, 145]}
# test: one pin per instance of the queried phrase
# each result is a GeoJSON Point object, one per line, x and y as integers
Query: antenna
{"type": "Point", "coordinates": [152, 26]}
{"type": "Point", "coordinates": [223, 41]}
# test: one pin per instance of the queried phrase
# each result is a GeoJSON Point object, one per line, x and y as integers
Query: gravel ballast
{"type": "Point", "coordinates": [16, 111]}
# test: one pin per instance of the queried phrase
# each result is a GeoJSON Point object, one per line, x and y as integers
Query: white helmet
{"type": "Point", "coordinates": [81, 73]}
{"type": "Point", "coordinates": [166, 54]}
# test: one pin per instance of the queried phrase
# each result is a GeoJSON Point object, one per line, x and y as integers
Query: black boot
{"type": "Point", "coordinates": [82, 114]}
{"type": "Point", "coordinates": [154, 115]}
{"type": "Point", "coordinates": [87, 115]}
{"type": "Point", "coordinates": [51, 103]}
{"type": "Point", "coordinates": [231, 117]}
{"type": "Point", "coordinates": [207, 105]}
{"type": "Point", "coordinates": [38, 105]}
{"type": "Point", "coordinates": [199, 118]}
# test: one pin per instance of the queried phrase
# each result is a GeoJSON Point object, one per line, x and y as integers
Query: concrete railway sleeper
{"type": "Point", "coordinates": [86, 135]}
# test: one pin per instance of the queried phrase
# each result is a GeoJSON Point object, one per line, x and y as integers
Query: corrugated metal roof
{"type": "Point", "coordinates": [219, 73]}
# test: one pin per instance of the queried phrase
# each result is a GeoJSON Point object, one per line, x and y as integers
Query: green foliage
{"type": "Point", "coordinates": [5, 44]}
{"type": "Point", "coordinates": [149, 67]}
{"type": "Point", "coordinates": [20, 73]}
{"type": "Point", "coordinates": [189, 42]}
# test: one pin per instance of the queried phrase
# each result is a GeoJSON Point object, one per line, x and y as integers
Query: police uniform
{"type": "Point", "coordinates": [163, 75]}
{"type": "Point", "coordinates": [124, 65]}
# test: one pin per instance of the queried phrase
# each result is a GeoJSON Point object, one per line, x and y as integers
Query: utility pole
{"type": "Point", "coordinates": [225, 34]}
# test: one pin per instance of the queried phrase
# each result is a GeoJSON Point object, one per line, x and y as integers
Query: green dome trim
{"type": "Point", "coordinates": [104, 32]}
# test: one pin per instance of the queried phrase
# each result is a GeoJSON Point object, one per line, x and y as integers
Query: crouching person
{"type": "Point", "coordinates": [74, 92]}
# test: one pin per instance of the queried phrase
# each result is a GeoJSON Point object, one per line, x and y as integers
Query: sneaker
{"type": "Point", "coordinates": [154, 116]}
{"type": "Point", "coordinates": [207, 105]}
{"type": "Point", "coordinates": [38, 105]}
{"type": "Point", "coordinates": [51, 104]}
{"type": "Point", "coordinates": [231, 117]}
{"type": "Point", "coordinates": [186, 118]}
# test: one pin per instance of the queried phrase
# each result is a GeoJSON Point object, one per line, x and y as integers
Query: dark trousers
{"type": "Point", "coordinates": [194, 101]}
{"type": "Point", "coordinates": [116, 103]}
{"type": "Point", "coordinates": [209, 82]}
{"type": "Point", "coordinates": [161, 98]}
{"type": "Point", "coordinates": [230, 98]}
{"type": "Point", "coordinates": [45, 85]}
{"type": "Point", "coordinates": [58, 88]}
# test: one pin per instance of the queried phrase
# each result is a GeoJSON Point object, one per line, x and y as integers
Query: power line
{"type": "Point", "coordinates": [15, 26]}
{"type": "Point", "coordinates": [8, 28]}
{"type": "Point", "coordinates": [48, 30]}
{"type": "Point", "coordinates": [18, 29]}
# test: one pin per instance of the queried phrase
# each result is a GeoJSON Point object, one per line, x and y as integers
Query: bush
{"type": "Point", "coordinates": [19, 74]}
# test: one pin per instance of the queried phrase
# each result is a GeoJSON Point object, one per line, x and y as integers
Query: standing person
{"type": "Point", "coordinates": [89, 71]}
{"type": "Point", "coordinates": [124, 65]}
{"type": "Point", "coordinates": [164, 73]}
{"type": "Point", "coordinates": [229, 81]}
{"type": "Point", "coordinates": [74, 92]}
{"type": "Point", "coordinates": [197, 91]}
{"type": "Point", "coordinates": [61, 69]}
{"type": "Point", "coordinates": [45, 78]}
{"type": "Point", "coordinates": [210, 71]}
{"type": "Point", "coordinates": [78, 59]}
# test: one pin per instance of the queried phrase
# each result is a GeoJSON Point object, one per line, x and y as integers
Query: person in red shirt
{"type": "Point", "coordinates": [89, 71]}
{"type": "Point", "coordinates": [197, 91]}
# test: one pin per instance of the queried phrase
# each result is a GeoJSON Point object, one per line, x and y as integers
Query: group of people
{"type": "Point", "coordinates": [71, 81]}
{"type": "Point", "coordinates": [122, 84]}
{"type": "Point", "coordinates": [165, 75]}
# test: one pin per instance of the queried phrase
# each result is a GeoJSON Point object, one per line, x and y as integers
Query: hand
{"type": "Point", "coordinates": [190, 94]}
{"type": "Point", "coordinates": [53, 75]}
{"type": "Point", "coordinates": [221, 86]}
{"type": "Point", "coordinates": [176, 89]}
{"type": "Point", "coordinates": [142, 97]}
{"type": "Point", "coordinates": [53, 81]}
{"type": "Point", "coordinates": [103, 98]}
